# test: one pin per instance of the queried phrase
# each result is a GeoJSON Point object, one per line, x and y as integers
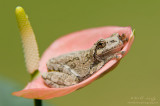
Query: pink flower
{"type": "Point", "coordinates": [81, 40]}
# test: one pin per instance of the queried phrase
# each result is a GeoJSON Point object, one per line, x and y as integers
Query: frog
{"type": "Point", "coordinates": [72, 68]}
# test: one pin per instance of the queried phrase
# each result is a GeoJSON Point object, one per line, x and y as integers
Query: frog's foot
{"type": "Point", "coordinates": [124, 38]}
{"type": "Point", "coordinates": [117, 55]}
{"type": "Point", "coordinates": [59, 80]}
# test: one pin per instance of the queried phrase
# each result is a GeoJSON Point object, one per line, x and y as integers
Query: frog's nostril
{"type": "Point", "coordinates": [112, 41]}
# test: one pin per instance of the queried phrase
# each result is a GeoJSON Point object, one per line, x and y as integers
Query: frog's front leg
{"type": "Point", "coordinates": [107, 59]}
{"type": "Point", "coordinates": [59, 79]}
{"type": "Point", "coordinates": [96, 67]}
{"type": "Point", "coordinates": [114, 56]}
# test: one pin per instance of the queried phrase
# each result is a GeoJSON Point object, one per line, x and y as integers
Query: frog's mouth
{"type": "Point", "coordinates": [113, 50]}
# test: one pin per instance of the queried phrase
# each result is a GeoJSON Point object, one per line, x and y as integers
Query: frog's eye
{"type": "Point", "coordinates": [101, 44]}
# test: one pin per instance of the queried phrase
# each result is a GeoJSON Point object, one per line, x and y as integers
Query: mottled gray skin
{"type": "Point", "coordinates": [72, 68]}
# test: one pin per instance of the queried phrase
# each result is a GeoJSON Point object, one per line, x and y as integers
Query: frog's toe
{"type": "Point", "coordinates": [44, 75]}
{"type": "Point", "coordinates": [122, 52]}
{"type": "Point", "coordinates": [117, 57]}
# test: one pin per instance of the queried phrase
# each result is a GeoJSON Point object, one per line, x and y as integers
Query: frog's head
{"type": "Point", "coordinates": [108, 46]}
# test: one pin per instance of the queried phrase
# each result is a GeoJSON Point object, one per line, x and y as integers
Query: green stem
{"type": "Point", "coordinates": [37, 102]}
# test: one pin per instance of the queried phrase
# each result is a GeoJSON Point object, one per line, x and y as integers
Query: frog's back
{"type": "Point", "coordinates": [69, 57]}
{"type": "Point", "coordinates": [79, 62]}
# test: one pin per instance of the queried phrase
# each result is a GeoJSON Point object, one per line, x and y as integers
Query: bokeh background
{"type": "Point", "coordinates": [137, 77]}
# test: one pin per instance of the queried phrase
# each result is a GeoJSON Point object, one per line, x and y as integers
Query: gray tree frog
{"type": "Point", "coordinates": [72, 68]}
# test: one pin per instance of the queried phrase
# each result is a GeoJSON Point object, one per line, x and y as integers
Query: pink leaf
{"type": "Point", "coordinates": [81, 40]}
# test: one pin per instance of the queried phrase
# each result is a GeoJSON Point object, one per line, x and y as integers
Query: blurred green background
{"type": "Point", "coordinates": [137, 77]}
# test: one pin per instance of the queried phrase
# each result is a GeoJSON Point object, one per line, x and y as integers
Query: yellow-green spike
{"type": "Point", "coordinates": [28, 39]}
{"type": "Point", "coordinates": [133, 33]}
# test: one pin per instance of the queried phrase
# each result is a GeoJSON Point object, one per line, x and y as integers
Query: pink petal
{"type": "Point", "coordinates": [81, 40]}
